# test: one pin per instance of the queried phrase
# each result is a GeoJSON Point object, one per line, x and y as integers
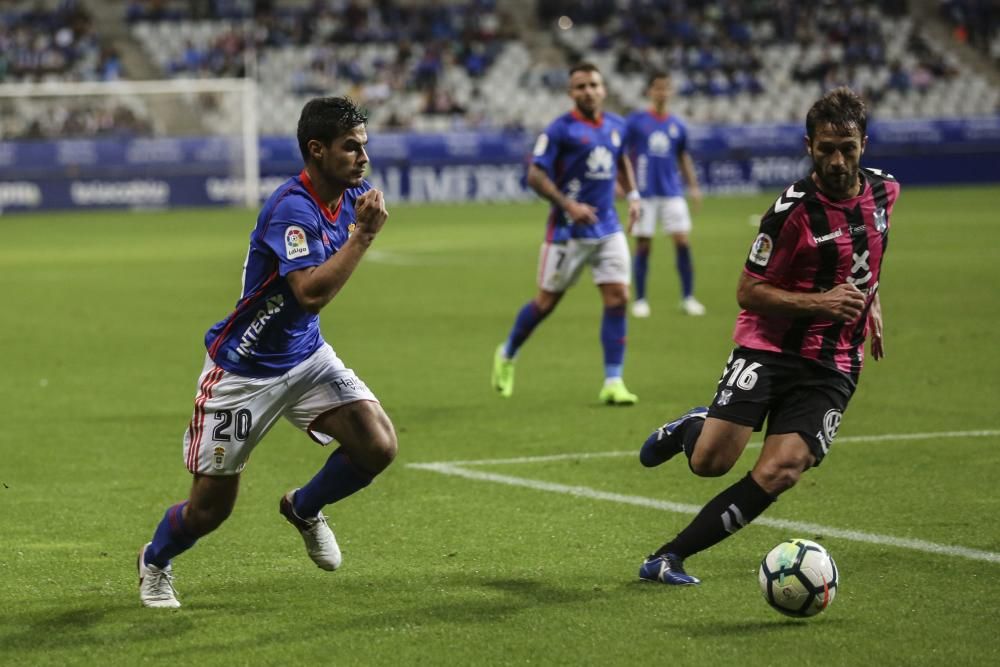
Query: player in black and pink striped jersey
{"type": "Point", "coordinates": [809, 299]}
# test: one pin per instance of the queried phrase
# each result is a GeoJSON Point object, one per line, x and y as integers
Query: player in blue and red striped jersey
{"type": "Point", "coordinates": [267, 358]}
{"type": "Point", "coordinates": [575, 165]}
{"type": "Point", "coordinates": [809, 294]}
{"type": "Point", "coordinates": [656, 141]}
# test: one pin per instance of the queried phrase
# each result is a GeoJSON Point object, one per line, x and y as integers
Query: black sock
{"type": "Point", "coordinates": [729, 511]}
{"type": "Point", "coordinates": [689, 435]}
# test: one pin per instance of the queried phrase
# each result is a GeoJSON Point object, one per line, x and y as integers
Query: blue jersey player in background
{"type": "Point", "coordinates": [267, 359]}
{"type": "Point", "coordinates": [575, 165]}
{"type": "Point", "coordinates": [656, 142]}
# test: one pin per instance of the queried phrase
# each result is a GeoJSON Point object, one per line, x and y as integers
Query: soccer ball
{"type": "Point", "coordinates": [798, 578]}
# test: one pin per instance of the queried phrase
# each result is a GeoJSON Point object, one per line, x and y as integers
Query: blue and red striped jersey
{"type": "Point", "coordinates": [268, 332]}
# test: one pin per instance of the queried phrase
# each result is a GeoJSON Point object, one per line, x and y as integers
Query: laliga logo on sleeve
{"type": "Point", "coordinates": [760, 252]}
{"type": "Point", "coordinates": [295, 243]}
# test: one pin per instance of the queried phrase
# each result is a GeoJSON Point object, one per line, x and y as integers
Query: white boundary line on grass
{"type": "Point", "coordinates": [635, 452]}
{"type": "Point", "coordinates": [455, 469]}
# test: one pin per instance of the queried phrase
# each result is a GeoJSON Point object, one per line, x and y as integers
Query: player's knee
{"type": "Point", "coordinates": [709, 463]}
{"type": "Point", "coordinates": [201, 520]}
{"type": "Point", "coordinates": [780, 476]}
{"type": "Point", "coordinates": [383, 446]}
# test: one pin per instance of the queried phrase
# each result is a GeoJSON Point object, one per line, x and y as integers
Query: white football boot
{"type": "Point", "coordinates": [156, 586]}
{"type": "Point", "coordinates": [641, 308]}
{"type": "Point", "coordinates": [692, 306]}
{"type": "Point", "coordinates": [321, 545]}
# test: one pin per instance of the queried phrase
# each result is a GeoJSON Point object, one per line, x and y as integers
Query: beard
{"type": "Point", "coordinates": [839, 182]}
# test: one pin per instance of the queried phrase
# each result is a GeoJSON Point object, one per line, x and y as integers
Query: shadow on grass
{"type": "Point", "coordinates": [90, 629]}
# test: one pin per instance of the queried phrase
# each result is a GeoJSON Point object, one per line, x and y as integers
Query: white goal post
{"type": "Point", "coordinates": [163, 109]}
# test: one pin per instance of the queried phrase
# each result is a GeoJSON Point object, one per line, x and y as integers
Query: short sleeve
{"type": "Point", "coordinates": [294, 235]}
{"type": "Point", "coordinates": [682, 138]}
{"type": "Point", "coordinates": [546, 149]}
{"type": "Point", "coordinates": [629, 142]}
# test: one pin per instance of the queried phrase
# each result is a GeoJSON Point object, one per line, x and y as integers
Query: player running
{"type": "Point", "coordinates": [809, 294]}
{"type": "Point", "coordinates": [267, 359]}
{"type": "Point", "coordinates": [656, 142]}
{"type": "Point", "coordinates": [575, 165]}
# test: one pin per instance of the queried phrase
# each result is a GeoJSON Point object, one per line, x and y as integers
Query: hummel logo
{"type": "Point", "coordinates": [781, 205]}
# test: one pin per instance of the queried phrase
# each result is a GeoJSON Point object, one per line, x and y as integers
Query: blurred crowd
{"type": "Point", "coordinates": [40, 42]}
{"type": "Point", "coordinates": [717, 43]}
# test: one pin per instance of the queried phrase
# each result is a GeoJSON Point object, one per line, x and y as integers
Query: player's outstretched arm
{"type": "Point", "coordinates": [843, 303]}
{"type": "Point", "coordinates": [316, 286]}
{"type": "Point", "coordinates": [875, 328]}
{"type": "Point", "coordinates": [578, 212]}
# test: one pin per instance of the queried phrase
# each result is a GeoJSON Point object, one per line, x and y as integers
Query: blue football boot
{"type": "Point", "coordinates": [662, 445]}
{"type": "Point", "coordinates": [667, 569]}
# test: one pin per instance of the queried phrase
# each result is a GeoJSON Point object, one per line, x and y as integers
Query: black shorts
{"type": "Point", "coordinates": [795, 395]}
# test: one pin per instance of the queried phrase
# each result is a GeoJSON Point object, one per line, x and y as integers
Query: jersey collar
{"type": "Point", "coordinates": [583, 119]}
{"type": "Point", "coordinates": [660, 117]}
{"type": "Point", "coordinates": [331, 216]}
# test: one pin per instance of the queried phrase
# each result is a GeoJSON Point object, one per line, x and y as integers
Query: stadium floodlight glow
{"type": "Point", "coordinates": [217, 109]}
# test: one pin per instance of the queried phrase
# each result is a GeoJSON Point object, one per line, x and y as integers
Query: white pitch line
{"type": "Point", "coordinates": [682, 508]}
{"type": "Point", "coordinates": [620, 453]}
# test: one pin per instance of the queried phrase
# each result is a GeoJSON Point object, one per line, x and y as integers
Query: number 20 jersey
{"type": "Point", "coordinates": [809, 243]}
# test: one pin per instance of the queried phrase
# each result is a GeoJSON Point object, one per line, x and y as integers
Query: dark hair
{"type": "Point", "coordinates": [583, 66]}
{"type": "Point", "coordinates": [326, 118]}
{"type": "Point", "coordinates": [655, 76]}
{"type": "Point", "coordinates": [841, 108]}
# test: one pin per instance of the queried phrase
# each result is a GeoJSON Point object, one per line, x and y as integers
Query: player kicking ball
{"type": "Point", "coordinates": [267, 359]}
{"type": "Point", "coordinates": [809, 294]}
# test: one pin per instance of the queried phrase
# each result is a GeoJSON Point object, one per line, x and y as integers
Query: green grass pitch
{"type": "Point", "coordinates": [103, 318]}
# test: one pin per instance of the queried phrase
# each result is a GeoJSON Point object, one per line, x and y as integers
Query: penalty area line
{"type": "Point", "coordinates": [683, 508]}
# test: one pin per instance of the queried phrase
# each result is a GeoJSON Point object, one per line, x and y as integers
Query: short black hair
{"type": "Point", "coordinates": [326, 118]}
{"type": "Point", "coordinates": [583, 66]}
{"type": "Point", "coordinates": [842, 108]}
{"type": "Point", "coordinates": [655, 76]}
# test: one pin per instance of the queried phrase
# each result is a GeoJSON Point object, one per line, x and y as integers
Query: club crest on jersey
{"type": "Point", "coordinates": [295, 242]}
{"type": "Point", "coordinates": [599, 163]}
{"type": "Point", "coordinates": [659, 143]}
{"type": "Point", "coordinates": [880, 221]}
{"type": "Point", "coordinates": [616, 139]}
{"type": "Point", "coordinates": [219, 459]}
{"type": "Point", "coordinates": [760, 251]}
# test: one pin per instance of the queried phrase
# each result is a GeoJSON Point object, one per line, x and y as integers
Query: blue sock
{"type": "Point", "coordinates": [686, 270]}
{"type": "Point", "coordinates": [613, 341]}
{"type": "Point", "coordinates": [337, 479]}
{"type": "Point", "coordinates": [527, 319]}
{"type": "Point", "coordinates": [640, 268]}
{"type": "Point", "coordinates": [170, 538]}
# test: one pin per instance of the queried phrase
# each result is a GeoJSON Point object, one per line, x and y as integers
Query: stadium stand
{"type": "Point", "coordinates": [739, 62]}
{"type": "Point", "coordinates": [455, 64]}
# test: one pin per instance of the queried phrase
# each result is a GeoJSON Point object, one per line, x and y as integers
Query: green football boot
{"type": "Point", "coordinates": [502, 377]}
{"type": "Point", "coordinates": [616, 393]}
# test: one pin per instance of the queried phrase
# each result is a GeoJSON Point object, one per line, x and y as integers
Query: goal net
{"type": "Point", "coordinates": [131, 143]}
